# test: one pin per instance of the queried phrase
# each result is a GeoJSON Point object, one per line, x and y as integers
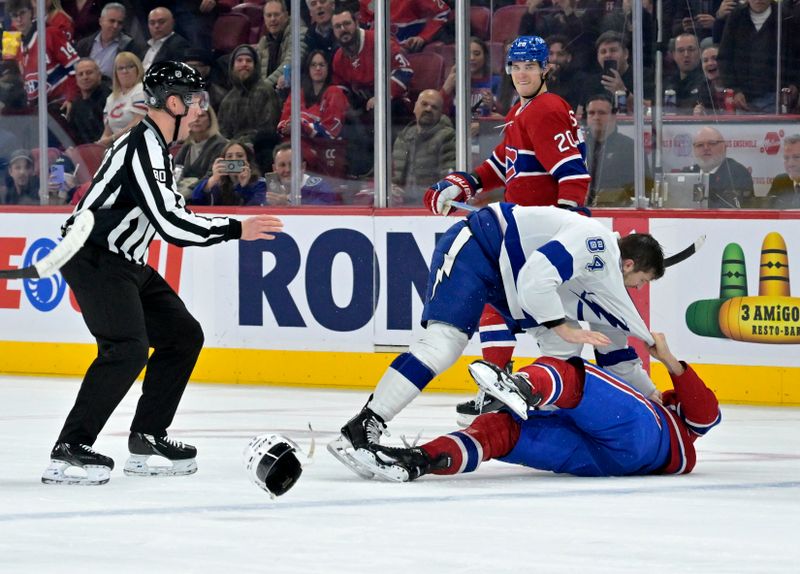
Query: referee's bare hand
{"type": "Point", "coordinates": [261, 227]}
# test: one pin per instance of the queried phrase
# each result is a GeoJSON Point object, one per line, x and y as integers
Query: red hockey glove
{"type": "Point", "coordinates": [457, 186]}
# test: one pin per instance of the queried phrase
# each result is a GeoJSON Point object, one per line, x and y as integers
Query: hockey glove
{"type": "Point", "coordinates": [457, 186]}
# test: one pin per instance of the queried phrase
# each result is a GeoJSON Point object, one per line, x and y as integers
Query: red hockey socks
{"type": "Point", "coordinates": [497, 340]}
{"type": "Point", "coordinates": [560, 383]}
{"type": "Point", "coordinates": [489, 436]}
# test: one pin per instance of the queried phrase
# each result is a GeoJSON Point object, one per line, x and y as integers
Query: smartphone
{"type": "Point", "coordinates": [57, 174]}
{"type": "Point", "coordinates": [609, 65]}
{"type": "Point", "coordinates": [234, 165]}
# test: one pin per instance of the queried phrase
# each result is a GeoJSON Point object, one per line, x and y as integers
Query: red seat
{"type": "Point", "coordinates": [428, 72]}
{"type": "Point", "coordinates": [479, 19]}
{"type": "Point", "coordinates": [87, 158]}
{"type": "Point", "coordinates": [505, 23]}
{"type": "Point", "coordinates": [230, 30]}
{"type": "Point", "coordinates": [255, 12]}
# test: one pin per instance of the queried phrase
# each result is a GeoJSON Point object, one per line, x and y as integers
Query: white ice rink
{"type": "Point", "coordinates": [738, 512]}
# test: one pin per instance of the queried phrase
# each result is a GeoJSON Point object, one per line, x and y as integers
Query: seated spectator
{"type": "Point", "coordinates": [688, 80]}
{"type": "Point", "coordinates": [712, 94]}
{"type": "Point", "coordinates": [104, 46]}
{"type": "Point", "coordinates": [61, 55]}
{"type": "Point", "coordinates": [251, 108]}
{"type": "Point", "coordinates": [609, 155]}
{"type": "Point", "coordinates": [126, 106]}
{"type": "Point", "coordinates": [353, 68]}
{"type": "Point", "coordinates": [784, 193]}
{"type": "Point", "coordinates": [563, 18]}
{"type": "Point", "coordinates": [313, 190]}
{"type": "Point", "coordinates": [747, 55]}
{"type": "Point", "coordinates": [57, 18]}
{"type": "Point", "coordinates": [565, 77]}
{"type": "Point", "coordinates": [425, 151]}
{"type": "Point", "coordinates": [319, 35]}
{"type": "Point", "coordinates": [86, 116]}
{"type": "Point", "coordinates": [620, 20]}
{"type": "Point", "coordinates": [202, 60]}
{"type": "Point", "coordinates": [22, 185]}
{"type": "Point", "coordinates": [9, 143]}
{"type": "Point", "coordinates": [615, 73]}
{"type": "Point", "coordinates": [484, 84]}
{"type": "Point", "coordinates": [224, 187]}
{"type": "Point", "coordinates": [275, 46]}
{"type": "Point", "coordinates": [730, 183]}
{"type": "Point", "coordinates": [322, 114]}
{"type": "Point", "coordinates": [415, 23]}
{"type": "Point", "coordinates": [198, 153]}
{"type": "Point", "coordinates": [164, 44]}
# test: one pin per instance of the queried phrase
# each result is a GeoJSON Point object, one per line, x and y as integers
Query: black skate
{"type": "Point", "coordinates": [513, 390]}
{"type": "Point", "coordinates": [483, 402]}
{"type": "Point", "coordinates": [94, 468]}
{"type": "Point", "coordinates": [142, 446]}
{"type": "Point", "coordinates": [363, 430]}
{"type": "Point", "coordinates": [400, 464]}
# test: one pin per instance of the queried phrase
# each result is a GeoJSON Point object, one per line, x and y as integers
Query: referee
{"type": "Point", "coordinates": [127, 306]}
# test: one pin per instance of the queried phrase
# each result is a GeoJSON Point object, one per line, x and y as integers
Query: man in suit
{"type": "Point", "coordinates": [784, 192]}
{"type": "Point", "coordinates": [609, 155]}
{"type": "Point", "coordinates": [729, 182]}
{"type": "Point", "coordinates": [104, 46]}
{"type": "Point", "coordinates": [164, 43]}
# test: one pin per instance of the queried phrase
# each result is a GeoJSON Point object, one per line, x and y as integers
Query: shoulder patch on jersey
{"type": "Point", "coordinates": [312, 181]}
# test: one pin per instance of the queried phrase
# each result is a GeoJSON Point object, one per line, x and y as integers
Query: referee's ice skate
{"type": "Point", "coordinates": [142, 446]}
{"type": "Point", "coordinates": [77, 464]}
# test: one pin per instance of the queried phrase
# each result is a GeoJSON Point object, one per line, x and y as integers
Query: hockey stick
{"type": "Point", "coordinates": [686, 253]}
{"type": "Point", "coordinates": [63, 252]}
{"type": "Point", "coordinates": [462, 205]}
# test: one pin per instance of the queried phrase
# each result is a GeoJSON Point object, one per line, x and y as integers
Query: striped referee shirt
{"type": "Point", "coordinates": [133, 197]}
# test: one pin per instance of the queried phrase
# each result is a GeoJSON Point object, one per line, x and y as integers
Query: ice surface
{"type": "Point", "coordinates": [738, 512]}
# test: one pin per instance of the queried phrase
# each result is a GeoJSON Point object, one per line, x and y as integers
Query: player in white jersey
{"type": "Point", "coordinates": [538, 266]}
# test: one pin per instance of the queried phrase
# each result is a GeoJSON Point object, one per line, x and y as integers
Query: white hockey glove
{"type": "Point", "coordinates": [457, 186]}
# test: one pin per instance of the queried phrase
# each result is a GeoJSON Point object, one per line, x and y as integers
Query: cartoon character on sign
{"type": "Point", "coordinates": [771, 317]}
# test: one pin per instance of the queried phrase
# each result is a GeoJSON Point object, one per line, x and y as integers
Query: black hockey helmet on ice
{"type": "Point", "coordinates": [272, 464]}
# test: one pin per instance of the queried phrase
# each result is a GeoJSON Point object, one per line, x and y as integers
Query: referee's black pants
{"type": "Point", "coordinates": [129, 308]}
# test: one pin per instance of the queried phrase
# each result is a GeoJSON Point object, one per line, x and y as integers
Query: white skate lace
{"type": "Point", "coordinates": [374, 430]}
{"type": "Point", "coordinates": [87, 448]}
{"type": "Point", "coordinates": [172, 442]}
{"type": "Point", "coordinates": [413, 443]}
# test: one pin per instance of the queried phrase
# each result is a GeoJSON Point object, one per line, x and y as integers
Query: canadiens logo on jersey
{"type": "Point", "coordinates": [511, 162]}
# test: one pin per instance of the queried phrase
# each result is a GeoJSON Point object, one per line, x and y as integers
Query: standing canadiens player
{"type": "Point", "coordinates": [540, 162]}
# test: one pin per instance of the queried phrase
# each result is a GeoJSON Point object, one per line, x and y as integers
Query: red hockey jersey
{"type": "Point", "coordinates": [322, 120]}
{"type": "Point", "coordinates": [542, 158]}
{"type": "Point", "coordinates": [423, 18]}
{"type": "Point", "coordinates": [358, 74]}
{"type": "Point", "coordinates": [691, 409]}
{"type": "Point", "coordinates": [61, 59]}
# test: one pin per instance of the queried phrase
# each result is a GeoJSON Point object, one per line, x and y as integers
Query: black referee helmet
{"type": "Point", "coordinates": [170, 78]}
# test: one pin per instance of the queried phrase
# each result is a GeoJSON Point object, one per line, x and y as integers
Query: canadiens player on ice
{"type": "Point", "coordinates": [537, 266]}
{"type": "Point", "coordinates": [540, 162]}
{"type": "Point", "coordinates": [603, 427]}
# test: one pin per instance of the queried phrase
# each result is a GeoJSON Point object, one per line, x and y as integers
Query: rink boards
{"type": "Point", "coordinates": [334, 298]}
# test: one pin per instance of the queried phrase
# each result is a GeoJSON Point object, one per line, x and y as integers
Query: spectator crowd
{"type": "Point", "coordinates": [721, 57]}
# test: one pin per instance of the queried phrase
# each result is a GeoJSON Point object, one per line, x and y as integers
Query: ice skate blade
{"type": "Point", "coordinates": [385, 471]}
{"type": "Point", "coordinates": [343, 451]}
{"type": "Point", "coordinates": [136, 465]}
{"type": "Point", "coordinates": [499, 386]}
{"type": "Point", "coordinates": [56, 474]}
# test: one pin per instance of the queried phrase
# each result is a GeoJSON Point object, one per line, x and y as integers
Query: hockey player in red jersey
{"type": "Point", "coordinates": [603, 427]}
{"type": "Point", "coordinates": [61, 56]}
{"type": "Point", "coordinates": [541, 161]}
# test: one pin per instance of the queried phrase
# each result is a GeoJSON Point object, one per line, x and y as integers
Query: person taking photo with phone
{"type": "Point", "coordinates": [234, 180]}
